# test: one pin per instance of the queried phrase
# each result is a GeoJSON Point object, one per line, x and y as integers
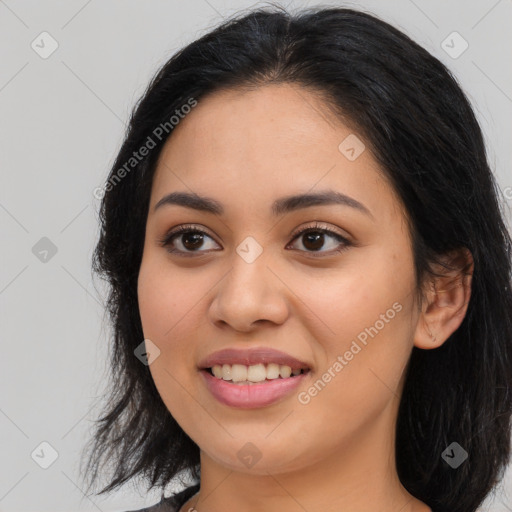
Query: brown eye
{"type": "Point", "coordinates": [315, 238]}
{"type": "Point", "coordinates": [192, 240]}
{"type": "Point", "coordinates": [186, 240]}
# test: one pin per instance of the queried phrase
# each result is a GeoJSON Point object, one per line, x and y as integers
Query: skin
{"type": "Point", "coordinates": [245, 149]}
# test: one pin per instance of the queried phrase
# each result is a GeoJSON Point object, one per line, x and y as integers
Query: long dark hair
{"type": "Point", "coordinates": [421, 129]}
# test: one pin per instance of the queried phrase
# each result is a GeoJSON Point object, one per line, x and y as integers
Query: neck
{"type": "Point", "coordinates": [358, 476]}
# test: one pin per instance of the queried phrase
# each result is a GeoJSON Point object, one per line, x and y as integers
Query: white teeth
{"type": "Point", "coordinates": [256, 373]}
{"type": "Point", "coordinates": [285, 372]}
{"type": "Point", "coordinates": [272, 371]}
{"type": "Point", "coordinates": [238, 372]}
{"type": "Point", "coordinates": [253, 373]}
{"type": "Point", "coordinates": [226, 371]}
{"type": "Point", "coordinates": [217, 371]}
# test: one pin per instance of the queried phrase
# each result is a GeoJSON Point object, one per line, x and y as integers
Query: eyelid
{"type": "Point", "coordinates": [183, 228]}
{"type": "Point", "coordinates": [344, 242]}
{"type": "Point", "coordinates": [321, 227]}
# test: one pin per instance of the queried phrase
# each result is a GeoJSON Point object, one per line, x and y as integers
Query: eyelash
{"type": "Point", "coordinates": [316, 228]}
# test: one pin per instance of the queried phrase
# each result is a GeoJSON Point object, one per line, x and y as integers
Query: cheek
{"type": "Point", "coordinates": [366, 318]}
{"type": "Point", "coordinates": [160, 312]}
{"type": "Point", "coordinates": [353, 297]}
{"type": "Point", "coordinates": [172, 312]}
{"type": "Point", "coordinates": [163, 304]}
{"type": "Point", "coordinates": [167, 315]}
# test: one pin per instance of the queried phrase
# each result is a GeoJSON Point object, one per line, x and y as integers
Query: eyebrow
{"type": "Point", "coordinates": [280, 206]}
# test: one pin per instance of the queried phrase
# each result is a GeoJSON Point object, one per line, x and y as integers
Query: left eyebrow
{"type": "Point", "coordinates": [280, 206]}
{"type": "Point", "coordinates": [326, 197]}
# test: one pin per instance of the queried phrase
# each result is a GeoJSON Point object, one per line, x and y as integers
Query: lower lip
{"type": "Point", "coordinates": [251, 396]}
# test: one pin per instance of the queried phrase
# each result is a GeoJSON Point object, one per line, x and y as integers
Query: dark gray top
{"type": "Point", "coordinates": [172, 503]}
{"type": "Point", "coordinates": [175, 502]}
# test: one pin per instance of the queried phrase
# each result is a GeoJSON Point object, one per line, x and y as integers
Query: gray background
{"type": "Point", "coordinates": [62, 122]}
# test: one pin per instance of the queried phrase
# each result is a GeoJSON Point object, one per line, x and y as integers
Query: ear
{"type": "Point", "coordinates": [446, 301]}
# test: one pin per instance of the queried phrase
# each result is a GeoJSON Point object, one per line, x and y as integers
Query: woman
{"type": "Point", "coordinates": [310, 277]}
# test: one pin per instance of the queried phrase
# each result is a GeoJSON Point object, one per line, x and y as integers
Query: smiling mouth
{"type": "Point", "coordinates": [253, 386]}
{"type": "Point", "coordinates": [254, 374]}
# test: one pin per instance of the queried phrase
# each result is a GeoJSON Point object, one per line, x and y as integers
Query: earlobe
{"type": "Point", "coordinates": [447, 300]}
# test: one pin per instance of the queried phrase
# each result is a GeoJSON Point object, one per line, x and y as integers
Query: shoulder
{"type": "Point", "coordinates": [172, 503]}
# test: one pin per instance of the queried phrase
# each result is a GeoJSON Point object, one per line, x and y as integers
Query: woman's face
{"type": "Point", "coordinates": [344, 309]}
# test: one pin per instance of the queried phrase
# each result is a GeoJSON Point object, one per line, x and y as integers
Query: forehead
{"type": "Point", "coordinates": [241, 123]}
{"type": "Point", "coordinates": [273, 141]}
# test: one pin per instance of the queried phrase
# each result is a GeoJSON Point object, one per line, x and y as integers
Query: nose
{"type": "Point", "coordinates": [250, 294]}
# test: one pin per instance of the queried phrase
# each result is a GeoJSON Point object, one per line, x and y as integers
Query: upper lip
{"type": "Point", "coordinates": [252, 356]}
